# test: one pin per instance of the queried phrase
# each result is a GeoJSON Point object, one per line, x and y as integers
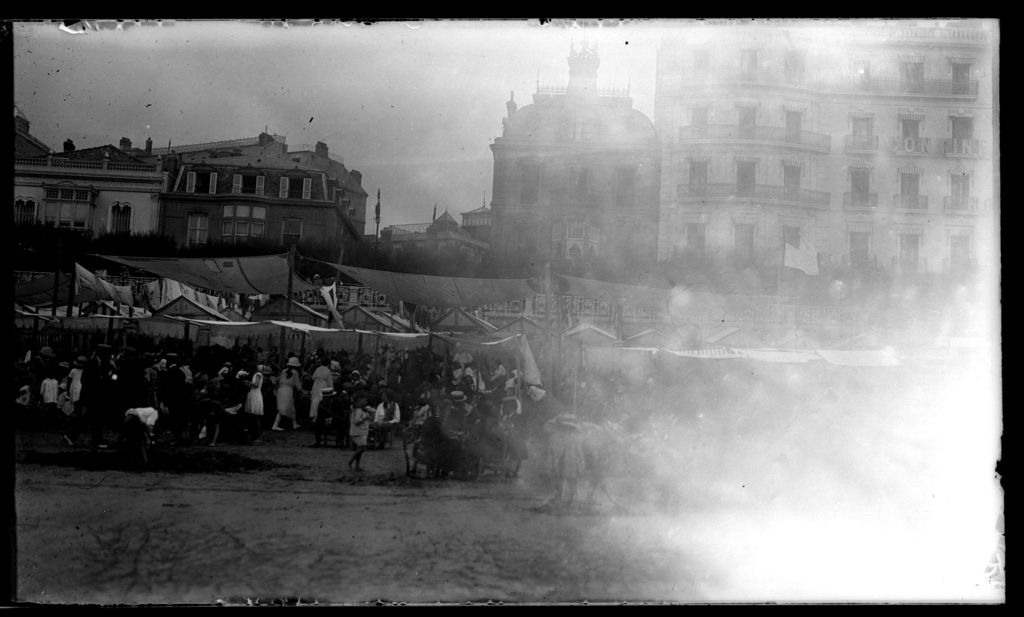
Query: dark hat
{"type": "Point", "coordinates": [80, 361]}
{"type": "Point", "coordinates": [47, 351]}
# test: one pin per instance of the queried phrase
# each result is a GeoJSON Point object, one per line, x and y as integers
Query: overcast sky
{"type": "Point", "coordinates": [414, 106]}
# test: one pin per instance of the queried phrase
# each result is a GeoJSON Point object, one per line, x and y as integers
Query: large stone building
{"type": "Point", "coordinates": [91, 190]}
{"type": "Point", "coordinates": [231, 191]}
{"type": "Point", "coordinates": [576, 173]}
{"type": "Point", "coordinates": [443, 237]}
{"type": "Point", "coordinates": [871, 141]}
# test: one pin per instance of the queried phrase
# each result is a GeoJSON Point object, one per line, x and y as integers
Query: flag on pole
{"type": "Point", "coordinates": [377, 209]}
{"type": "Point", "coordinates": [330, 296]}
{"type": "Point", "coordinates": [803, 257]}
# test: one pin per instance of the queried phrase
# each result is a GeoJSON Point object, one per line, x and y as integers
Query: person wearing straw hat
{"type": "Point", "coordinates": [289, 383]}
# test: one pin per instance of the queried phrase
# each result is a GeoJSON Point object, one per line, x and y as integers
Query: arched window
{"type": "Point", "coordinates": [121, 217]}
{"type": "Point", "coordinates": [24, 211]}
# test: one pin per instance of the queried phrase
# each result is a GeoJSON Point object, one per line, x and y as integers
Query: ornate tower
{"type": "Point", "coordinates": [583, 65]}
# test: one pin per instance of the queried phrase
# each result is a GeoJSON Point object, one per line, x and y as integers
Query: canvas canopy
{"type": "Point", "coordinates": [440, 290]}
{"type": "Point", "coordinates": [263, 274]}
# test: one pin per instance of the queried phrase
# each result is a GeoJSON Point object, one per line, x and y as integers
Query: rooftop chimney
{"type": "Point", "coordinates": [69, 146]}
{"type": "Point", "coordinates": [356, 175]}
{"type": "Point", "coordinates": [125, 144]}
{"type": "Point", "coordinates": [321, 148]}
{"type": "Point", "coordinates": [149, 145]}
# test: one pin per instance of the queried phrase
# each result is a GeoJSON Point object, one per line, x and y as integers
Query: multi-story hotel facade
{"type": "Point", "coordinates": [871, 141]}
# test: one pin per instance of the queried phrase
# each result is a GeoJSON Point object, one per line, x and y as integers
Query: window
{"type": "Point", "coordinates": [291, 231]}
{"type": "Point", "coordinates": [912, 76]}
{"type": "Point", "coordinates": [694, 235]}
{"type": "Point", "coordinates": [963, 128]}
{"type": "Point", "coordinates": [791, 178]}
{"type": "Point", "coordinates": [743, 241]}
{"type": "Point", "coordinates": [791, 235]}
{"type": "Point", "coordinates": [698, 177]}
{"type": "Point", "coordinates": [794, 124]}
{"type": "Point", "coordinates": [241, 222]}
{"type": "Point", "coordinates": [295, 188]}
{"type": "Point", "coordinates": [701, 63]}
{"type": "Point", "coordinates": [24, 211]}
{"type": "Point", "coordinates": [745, 177]}
{"type": "Point", "coordinates": [574, 230]}
{"type": "Point", "coordinates": [68, 214]}
{"type": "Point", "coordinates": [794, 66]}
{"type": "Point", "coordinates": [910, 186]}
{"type": "Point", "coordinates": [959, 251]}
{"type": "Point", "coordinates": [625, 196]}
{"type": "Point", "coordinates": [909, 252]}
{"type": "Point", "coordinates": [201, 182]}
{"type": "Point", "coordinates": [860, 248]}
{"type": "Point", "coordinates": [960, 190]}
{"type": "Point", "coordinates": [198, 227]}
{"type": "Point", "coordinates": [910, 129]}
{"type": "Point", "coordinates": [747, 119]}
{"type": "Point", "coordinates": [961, 78]}
{"type": "Point", "coordinates": [121, 218]}
{"type": "Point", "coordinates": [860, 184]}
{"type": "Point", "coordinates": [580, 183]}
{"type": "Point", "coordinates": [748, 63]}
{"type": "Point", "coordinates": [247, 184]}
{"type": "Point", "coordinates": [529, 184]}
{"type": "Point", "coordinates": [862, 134]}
{"type": "Point", "coordinates": [862, 73]}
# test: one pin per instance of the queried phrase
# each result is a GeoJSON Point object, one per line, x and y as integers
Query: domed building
{"type": "Point", "coordinates": [577, 173]}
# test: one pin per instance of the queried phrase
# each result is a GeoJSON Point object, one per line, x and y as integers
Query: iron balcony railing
{"type": "Point", "coordinates": [763, 192]}
{"type": "Point", "coordinates": [910, 145]}
{"type": "Point", "coordinates": [860, 200]}
{"type": "Point", "coordinates": [910, 202]}
{"type": "Point", "coordinates": [952, 203]}
{"type": "Point", "coordinates": [755, 133]}
{"type": "Point", "coordinates": [887, 85]}
{"type": "Point", "coordinates": [861, 143]}
{"type": "Point", "coordinates": [961, 147]}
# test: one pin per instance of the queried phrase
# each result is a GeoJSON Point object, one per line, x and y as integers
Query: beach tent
{"type": "Point", "coordinates": [275, 309]}
{"type": "Point", "coordinates": [183, 306]}
{"type": "Point", "coordinates": [458, 320]}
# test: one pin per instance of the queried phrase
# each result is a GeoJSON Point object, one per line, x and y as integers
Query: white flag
{"type": "Point", "coordinates": [330, 296]}
{"type": "Point", "coordinates": [803, 257]}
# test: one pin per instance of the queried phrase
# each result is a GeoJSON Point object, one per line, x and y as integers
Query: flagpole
{"type": "Point", "coordinates": [782, 259]}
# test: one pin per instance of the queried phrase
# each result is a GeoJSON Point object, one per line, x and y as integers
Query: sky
{"type": "Point", "coordinates": [414, 106]}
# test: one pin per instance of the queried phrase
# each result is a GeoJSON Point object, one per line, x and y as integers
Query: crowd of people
{"type": "Point", "coordinates": [213, 395]}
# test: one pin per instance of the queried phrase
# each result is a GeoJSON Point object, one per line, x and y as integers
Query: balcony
{"type": "Point", "coordinates": [961, 147]}
{"type": "Point", "coordinates": [860, 200]}
{"type": "Point", "coordinates": [924, 87]}
{"type": "Point", "coordinates": [807, 139]}
{"type": "Point", "coordinates": [755, 192]}
{"type": "Point", "coordinates": [955, 205]}
{"type": "Point", "coordinates": [909, 145]}
{"type": "Point", "coordinates": [861, 143]}
{"type": "Point", "coordinates": [83, 164]}
{"type": "Point", "coordinates": [910, 202]}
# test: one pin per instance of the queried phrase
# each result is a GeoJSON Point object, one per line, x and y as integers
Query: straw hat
{"type": "Point", "coordinates": [293, 361]}
{"type": "Point", "coordinates": [458, 396]}
{"type": "Point", "coordinates": [47, 351]}
{"type": "Point", "coordinates": [327, 392]}
{"type": "Point", "coordinates": [80, 361]}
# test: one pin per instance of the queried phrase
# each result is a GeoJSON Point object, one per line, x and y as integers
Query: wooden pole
{"type": "Point", "coordinates": [56, 275]}
{"type": "Point", "coordinates": [71, 287]}
{"type": "Point", "coordinates": [287, 302]}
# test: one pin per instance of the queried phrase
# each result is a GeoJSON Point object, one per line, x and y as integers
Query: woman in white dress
{"type": "Point", "coordinates": [254, 403]}
{"type": "Point", "coordinates": [322, 379]}
{"type": "Point", "coordinates": [287, 385]}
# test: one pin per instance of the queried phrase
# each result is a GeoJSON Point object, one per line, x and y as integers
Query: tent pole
{"type": "Point", "coordinates": [56, 275]}
{"type": "Point", "coordinates": [287, 301]}
{"type": "Point", "coordinates": [71, 290]}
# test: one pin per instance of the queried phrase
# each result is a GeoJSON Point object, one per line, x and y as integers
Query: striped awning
{"type": "Point", "coordinates": [745, 219]}
{"type": "Point", "coordinates": [862, 114]}
{"type": "Point", "coordinates": [793, 162]}
{"type": "Point", "coordinates": [959, 171]}
{"type": "Point", "coordinates": [699, 158]}
{"type": "Point", "coordinates": [747, 158]}
{"type": "Point", "coordinates": [859, 226]}
{"type": "Point", "coordinates": [861, 164]}
{"type": "Point", "coordinates": [910, 230]}
{"type": "Point", "coordinates": [961, 60]}
{"type": "Point", "coordinates": [910, 169]}
{"type": "Point", "coordinates": [910, 115]}
{"type": "Point", "coordinates": [802, 108]}
{"type": "Point", "coordinates": [912, 58]}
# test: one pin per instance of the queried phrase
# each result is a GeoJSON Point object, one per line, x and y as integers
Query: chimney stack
{"type": "Point", "coordinates": [321, 148]}
{"type": "Point", "coordinates": [149, 145]}
{"type": "Point", "coordinates": [69, 146]}
{"type": "Point", "coordinates": [125, 144]}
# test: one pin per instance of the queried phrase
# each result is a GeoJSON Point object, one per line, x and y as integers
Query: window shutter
{"type": "Point", "coordinates": [283, 191]}
{"type": "Point", "coordinates": [236, 183]}
{"type": "Point", "coordinates": [307, 187]}
{"type": "Point", "coordinates": [213, 183]}
{"type": "Point", "coordinates": [190, 182]}
{"type": "Point", "coordinates": [259, 185]}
